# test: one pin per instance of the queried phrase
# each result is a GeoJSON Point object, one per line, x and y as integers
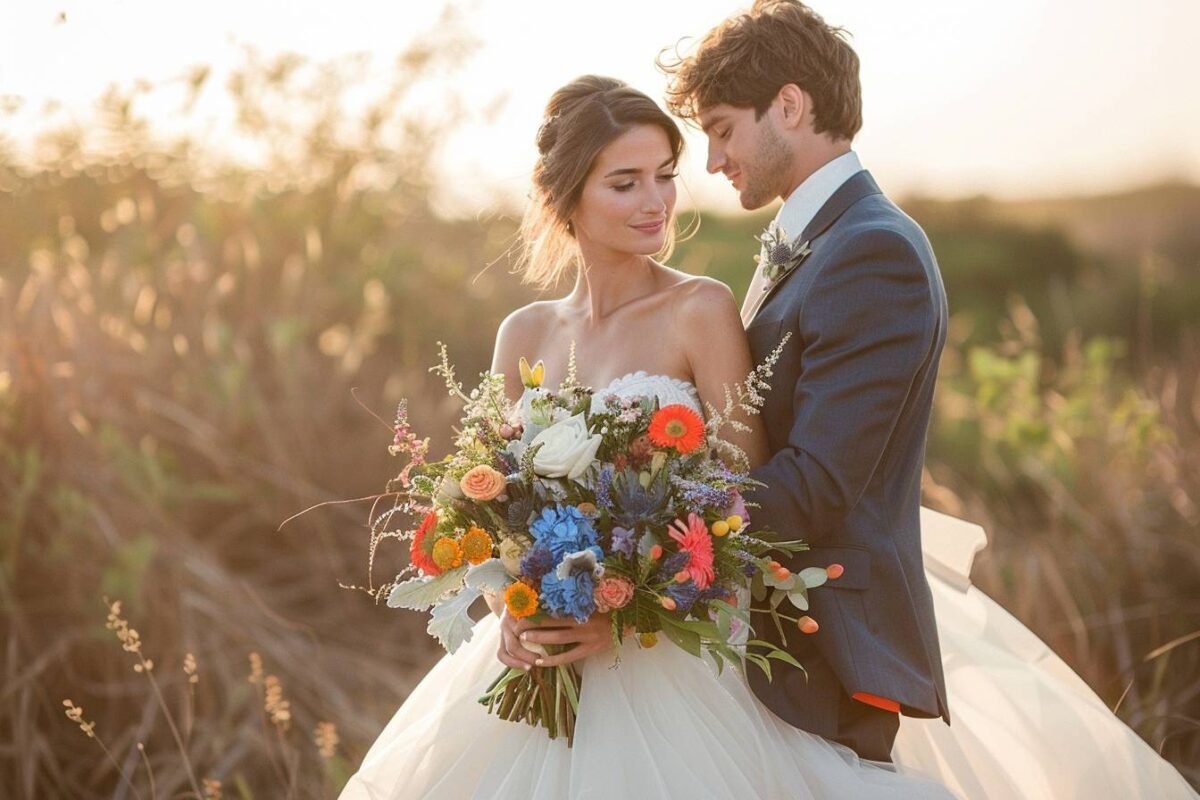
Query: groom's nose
{"type": "Point", "coordinates": [716, 158]}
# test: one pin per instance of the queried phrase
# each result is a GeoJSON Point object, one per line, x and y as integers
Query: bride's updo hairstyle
{"type": "Point", "coordinates": [581, 119]}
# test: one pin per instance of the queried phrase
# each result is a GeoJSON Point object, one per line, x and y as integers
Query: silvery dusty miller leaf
{"type": "Point", "coordinates": [449, 621]}
{"type": "Point", "coordinates": [489, 576]}
{"type": "Point", "coordinates": [419, 594]}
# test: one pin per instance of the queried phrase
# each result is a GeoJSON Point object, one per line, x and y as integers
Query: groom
{"type": "Point", "coordinates": [854, 280]}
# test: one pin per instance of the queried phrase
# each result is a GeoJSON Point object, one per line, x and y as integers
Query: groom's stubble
{"type": "Point", "coordinates": [767, 173]}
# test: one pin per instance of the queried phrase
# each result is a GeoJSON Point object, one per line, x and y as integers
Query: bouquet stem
{"type": "Point", "coordinates": [545, 696]}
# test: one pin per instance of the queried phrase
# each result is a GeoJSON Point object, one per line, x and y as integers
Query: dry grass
{"type": "Point", "coordinates": [178, 347]}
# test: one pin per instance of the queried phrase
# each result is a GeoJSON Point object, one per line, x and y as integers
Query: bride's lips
{"type": "Point", "coordinates": [650, 227]}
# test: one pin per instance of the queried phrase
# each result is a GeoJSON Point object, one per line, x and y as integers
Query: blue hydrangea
{"type": "Point", "coordinates": [563, 529]}
{"type": "Point", "coordinates": [570, 596]}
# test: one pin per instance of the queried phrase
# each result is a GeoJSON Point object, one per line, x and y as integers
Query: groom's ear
{"type": "Point", "coordinates": [794, 105]}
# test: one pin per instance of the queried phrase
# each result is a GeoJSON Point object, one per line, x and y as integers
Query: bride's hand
{"type": "Point", "coordinates": [511, 653]}
{"type": "Point", "coordinates": [589, 638]}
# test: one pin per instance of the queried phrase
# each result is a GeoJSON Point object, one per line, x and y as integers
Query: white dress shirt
{"type": "Point", "coordinates": [797, 211]}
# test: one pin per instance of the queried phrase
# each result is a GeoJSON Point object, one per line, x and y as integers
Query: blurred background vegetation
{"type": "Point", "coordinates": [179, 339]}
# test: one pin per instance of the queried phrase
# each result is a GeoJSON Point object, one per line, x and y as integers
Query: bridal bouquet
{"type": "Point", "coordinates": [569, 505]}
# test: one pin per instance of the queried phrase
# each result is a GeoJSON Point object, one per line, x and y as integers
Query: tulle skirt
{"type": "Point", "coordinates": [664, 724]}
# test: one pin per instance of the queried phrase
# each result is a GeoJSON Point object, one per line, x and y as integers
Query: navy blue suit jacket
{"type": "Point", "coordinates": [846, 420]}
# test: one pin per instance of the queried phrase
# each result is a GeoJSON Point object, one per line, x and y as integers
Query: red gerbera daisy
{"type": "Point", "coordinates": [677, 426]}
{"type": "Point", "coordinates": [416, 551]}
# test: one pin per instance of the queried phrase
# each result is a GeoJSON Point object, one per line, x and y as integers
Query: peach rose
{"type": "Point", "coordinates": [612, 593]}
{"type": "Point", "coordinates": [482, 483]}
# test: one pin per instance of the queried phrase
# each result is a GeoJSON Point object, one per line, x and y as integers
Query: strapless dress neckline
{"type": "Point", "coordinates": [669, 390]}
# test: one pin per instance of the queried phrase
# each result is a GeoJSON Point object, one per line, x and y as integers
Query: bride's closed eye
{"type": "Point", "coordinates": [625, 187]}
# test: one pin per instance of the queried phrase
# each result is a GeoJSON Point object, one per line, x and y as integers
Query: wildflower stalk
{"type": "Point", "coordinates": [75, 714]}
{"type": "Point", "coordinates": [149, 769]}
{"type": "Point", "coordinates": [131, 643]}
{"type": "Point", "coordinates": [256, 679]}
{"type": "Point", "coordinates": [189, 708]}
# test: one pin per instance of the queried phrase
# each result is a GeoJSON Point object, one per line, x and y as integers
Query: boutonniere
{"type": "Point", "coordinates": [779, 256]}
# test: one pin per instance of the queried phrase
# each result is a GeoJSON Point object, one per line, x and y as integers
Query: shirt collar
{"type": "Point", "coordinates": [806, 199]}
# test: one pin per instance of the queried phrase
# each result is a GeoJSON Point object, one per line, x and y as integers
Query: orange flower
{"type": "Point", "coordinates": [476, 545]}
{"type": "Point", "coordinates": [447, 553]}
{"type": "Point", "coordinates": [521, 599]}
{"type": "Point", "coordinates": [677, 426]}
{"type": "Point", "coordinates": [482, 483]}
{"type": "Point", "coordinates": [417, 553]}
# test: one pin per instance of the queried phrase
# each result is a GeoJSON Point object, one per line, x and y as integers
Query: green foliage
{"type": "Point", "coordinates": [178, 344]}
{"type": "Point", "coordinates": [1085, 480]}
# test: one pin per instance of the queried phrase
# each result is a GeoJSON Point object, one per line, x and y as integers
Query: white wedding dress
{"type": "Point", "coordinates": [664, 725]}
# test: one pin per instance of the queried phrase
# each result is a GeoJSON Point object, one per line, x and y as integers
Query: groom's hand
{"type": "Point", "coordinates": [588, 638]}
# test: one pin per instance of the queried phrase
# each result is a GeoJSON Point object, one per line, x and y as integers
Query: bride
{"type": "Point", "coordinates": [664, 724]}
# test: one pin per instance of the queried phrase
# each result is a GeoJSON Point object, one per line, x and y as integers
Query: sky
{"type": "Point", "coordinates": [961, 97]}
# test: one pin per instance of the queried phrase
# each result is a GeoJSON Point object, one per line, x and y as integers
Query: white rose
{"type": "Point", "coordinates": [567, 449]}
{"type": "Point", "coordinates": [510, 556]}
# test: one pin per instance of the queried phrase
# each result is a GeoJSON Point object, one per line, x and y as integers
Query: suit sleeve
{"type": "Point", "coordinates": [868, 324]}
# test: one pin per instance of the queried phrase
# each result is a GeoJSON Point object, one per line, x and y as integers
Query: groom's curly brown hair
{"type": "Point", "coordinates": [745, 61]}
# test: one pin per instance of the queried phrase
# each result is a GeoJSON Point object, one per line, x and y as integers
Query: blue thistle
{"type": "Point", "coordinates": [537, 562]}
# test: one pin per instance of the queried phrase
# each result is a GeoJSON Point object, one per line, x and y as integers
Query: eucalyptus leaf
{"type": "Point", "coordinates": [758, 589]}
{"type": "Point", "coordinates": [418, 594]}
{"type": "Point", "coordinates": [799, 598]}
{"type": "Point", "coordinates": [813, 576]}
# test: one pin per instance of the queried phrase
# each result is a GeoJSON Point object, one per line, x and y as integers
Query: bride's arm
{"type": "Point", "coordinates": [710, 331]}
{"type": "Point", "coordinates": [515, 338]}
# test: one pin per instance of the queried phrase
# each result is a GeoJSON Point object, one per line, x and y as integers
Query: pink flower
{"type": "Point", "coordinates": [482, 483]}
{"type": "Point", "coordinates": [695, 540]}
{"type": "Point", "coordinates": [613, 592]}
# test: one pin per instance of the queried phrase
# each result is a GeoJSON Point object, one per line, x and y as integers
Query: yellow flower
{"type": "Point", "coordinates": [521, 599]}
{"type": "Point", "coordinates": [476, 545]}
{"type": "Point", "coordinates": [447, 553]}
{"type": "Point", "coordinates": [532, 378]}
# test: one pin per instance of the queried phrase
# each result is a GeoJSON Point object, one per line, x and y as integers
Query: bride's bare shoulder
{"type": "Point", "coordinates": [533, 316]}
{"type": "Point", "coordinates": [522, 331]}
{"type": "Point", "coordinates": [701, 295]}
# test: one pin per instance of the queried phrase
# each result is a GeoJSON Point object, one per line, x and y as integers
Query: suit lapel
{"type": "Point", "coordinates": [856, 187]}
